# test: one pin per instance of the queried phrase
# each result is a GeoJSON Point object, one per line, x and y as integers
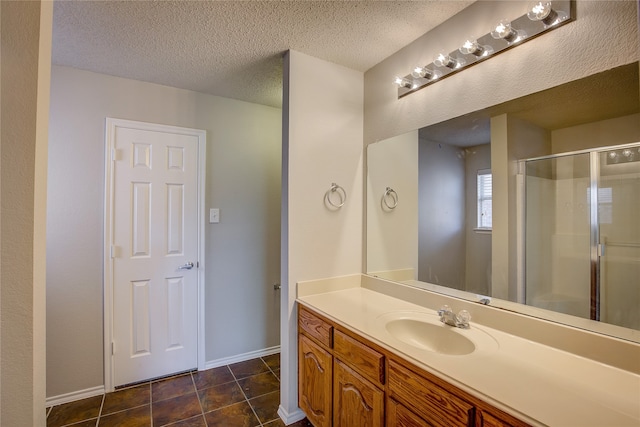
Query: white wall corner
{"type": "Point", "coordinates": [323, 123]}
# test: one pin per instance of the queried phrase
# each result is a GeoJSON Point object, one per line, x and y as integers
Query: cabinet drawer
{"type": "Point", "coordinates": [399, 416]}
{"type": "Point", "coordinates": [315, 327]}
{"type": "Point", "coordinates": [430, 401]}
{"type": "Point", "coordinates": [488, 420]}
{"type": "Point", "coordinates": [363, 359]}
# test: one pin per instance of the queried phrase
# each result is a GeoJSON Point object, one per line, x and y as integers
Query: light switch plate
{"type": "Point", "coordinates": [214, 216]}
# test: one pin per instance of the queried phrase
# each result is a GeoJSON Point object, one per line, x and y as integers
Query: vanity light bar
{"type": "Point", "coordinates": [543, 16]}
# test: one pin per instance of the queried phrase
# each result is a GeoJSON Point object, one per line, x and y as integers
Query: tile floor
{"type": "Point", "coordinates": [243, 394]}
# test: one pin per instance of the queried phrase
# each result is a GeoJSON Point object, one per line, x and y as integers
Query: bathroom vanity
{"type": "Point", "coordinates": [369, 358]}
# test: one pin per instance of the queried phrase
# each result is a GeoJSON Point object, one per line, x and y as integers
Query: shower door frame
{"type": "Point", "coordinates": [596, 250]}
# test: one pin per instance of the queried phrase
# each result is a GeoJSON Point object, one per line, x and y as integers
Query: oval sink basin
{"type": "Point", "coordinates": [424, 331]}
{"type": "Point", "coordinates": [427, 336]}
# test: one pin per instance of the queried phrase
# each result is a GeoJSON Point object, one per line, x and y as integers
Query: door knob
{"type": "Point", "coordinates": [187, 266]}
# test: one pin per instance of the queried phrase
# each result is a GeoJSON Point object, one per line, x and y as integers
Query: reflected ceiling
{"type": "Point", "coordinates": [602, 96]}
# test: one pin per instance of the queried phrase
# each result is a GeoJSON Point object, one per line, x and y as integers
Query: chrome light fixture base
{"type": "Point", "coordinates": [524, 28]}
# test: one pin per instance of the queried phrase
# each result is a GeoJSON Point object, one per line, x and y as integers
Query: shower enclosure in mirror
{"type": "Point", "coordinates": [582, 227]}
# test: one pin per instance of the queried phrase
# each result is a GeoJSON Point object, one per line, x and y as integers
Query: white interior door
{"type": "Point", "coordinates": [154, 250]}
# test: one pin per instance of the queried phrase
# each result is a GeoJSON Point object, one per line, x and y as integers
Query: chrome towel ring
{"type": "Point", "coordinates": [390, 195]}
{"type": "Point", "coordinates": [341, 195]}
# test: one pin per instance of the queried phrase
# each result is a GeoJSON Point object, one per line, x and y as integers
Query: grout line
{"type": "Point", "coordinates": [100, 411]}
{"type": "Point", "coordinates": [193, 381]}
{"type": "Point", "coordinates": [245, 396]}
{"type": "Point", "coordinates": [272, 371]}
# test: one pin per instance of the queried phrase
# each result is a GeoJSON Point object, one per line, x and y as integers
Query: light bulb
{"type": "Point", "coordinates": [471, 47]}
{"type": "Point", "coordinates": [444, 60]}
{"type": "Point", "coordinates": [613, 155]}
{"type": "Point", "coordinates": [542, 11]}
{"type": "Point", "coordinates": [503, 30]}
{"type": "Point", "coordinates": [402, 82]}
{"type": "Point", "coordinates": [627, 153]}
{"type": "Point", "coordinates": [423, 73]}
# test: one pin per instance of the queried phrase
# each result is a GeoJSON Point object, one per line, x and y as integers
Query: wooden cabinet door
{"type": "Point", "coordinates": [314, 382]}
{"type": "Point", "coordinates": [356, 401]}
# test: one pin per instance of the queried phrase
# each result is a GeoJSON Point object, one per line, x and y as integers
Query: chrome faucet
{"type": "Point", "coordinates": [460, 320]}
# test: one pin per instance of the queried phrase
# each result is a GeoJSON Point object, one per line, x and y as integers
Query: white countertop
{"type": "Point", "coordinates": [539, 384]}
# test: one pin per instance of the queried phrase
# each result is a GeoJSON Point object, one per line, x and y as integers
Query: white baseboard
{"type": "Point", "coordinates": [288, 418]}
{"type": "Point", "coordinates": [73, 396]}
{"type": "Point", "coordinates": [242, 357]}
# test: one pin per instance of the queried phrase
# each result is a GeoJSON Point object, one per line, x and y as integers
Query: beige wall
{"type": "Point", "coordinates": [621, 130]}
{"type": "Point", "coordinates": [26, 59]}
{"type": "Point", "coordinates": [392, 234]}
{"type": "Point", "coordinates": [478, 244]}
{"type": "Point", "coordinates": [242, 251]}
{"type": "Point", "coordinates": [322, 144]}
{"type": "Point", "coordinates": [441, 223]}
{"type": "Point", "coordinates": [511, 139]}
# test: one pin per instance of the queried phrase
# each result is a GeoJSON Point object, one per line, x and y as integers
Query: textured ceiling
{"type": "Point", "coordinates": [234, 48]}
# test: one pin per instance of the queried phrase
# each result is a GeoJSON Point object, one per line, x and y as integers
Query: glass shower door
{"type": "Point", "coordinates": [619, 236]}
{"type": "Point", "coordinates": [582, 234]}
{"type": "Point", "coordinates": [558, 241]}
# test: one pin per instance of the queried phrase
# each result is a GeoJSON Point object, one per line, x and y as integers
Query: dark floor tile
{"type": "Point", "coordinates": [211, 377]}
{"type": "Point", "coordinates": [248, 368]}
{"type": "Point", "coordinates": [216, 397]}
{"type": "Point", "coordinates": [74, 412]}
{"type": "Point", "coordinates": [236, 415]}
{"type": "Point", "coordinates": [87, 423]}
{"type": "Point", "coordinates": [175, 409]}
{"type": "Point", "coordinates": [197, 421]}
{"type": "Point", "coordinates": [126, 399]}
{"type": "Point", "coordinates": [136, 417]}
{"type": "Point", "coordinates": [172, 387]}
{"type": "Point", "coordinates": [266, 406]}
{"type": "Point", "coordinates": [260, 384]}
{"type": "Point", "coordinates": [272, 361]}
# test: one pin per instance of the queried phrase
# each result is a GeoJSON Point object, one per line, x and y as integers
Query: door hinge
{"type": "Point", "coordinates": [115, 155]}
{"type": "Point", "coordinates": [114, 251]}
{"type": "Point", "coordinates": [113, 348]}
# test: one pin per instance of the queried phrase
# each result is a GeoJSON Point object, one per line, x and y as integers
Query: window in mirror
{"type": "Point", "coordinates": [484, 199]}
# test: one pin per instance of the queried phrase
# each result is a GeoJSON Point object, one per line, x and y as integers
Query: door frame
{"type": "Point", "coordinates": [110, 126]}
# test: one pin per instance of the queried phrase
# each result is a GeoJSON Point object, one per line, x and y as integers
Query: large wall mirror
{"type": "Point", "coordinates": [532, 205]}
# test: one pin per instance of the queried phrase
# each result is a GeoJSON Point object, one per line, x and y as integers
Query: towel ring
{"type": "Point", "coordinates": [390, 193]}
{"type": "Point", "coordinates": [342, 194]}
